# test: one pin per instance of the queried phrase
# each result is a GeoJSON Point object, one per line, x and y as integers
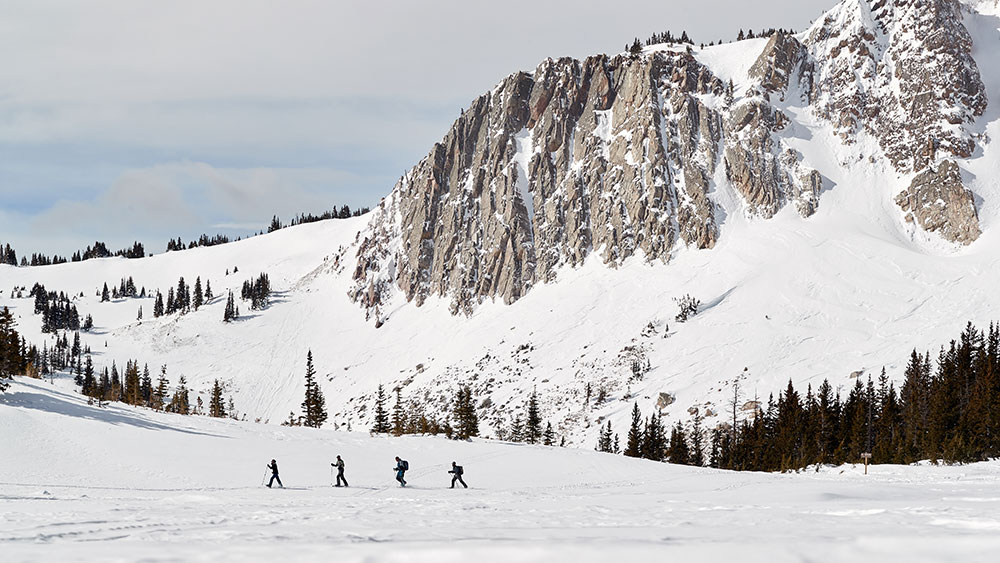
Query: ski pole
{"type": "Point", "coordinates": [264, 478]}
{"type": "Point", "coordinates": [331, 475]}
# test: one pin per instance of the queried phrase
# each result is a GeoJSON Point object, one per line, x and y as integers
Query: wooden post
{"type": "Point", "coordinates": [866, 456]}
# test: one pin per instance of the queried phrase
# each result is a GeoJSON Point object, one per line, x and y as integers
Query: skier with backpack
{"type": "Point", "coordinates": [273, 466]}
{"type": "Point", "coordinates": [457, 471]}
{"type": "Point", "coordinates": [401, 467]}
{"type": "Point", "coordinates": [340, 471]}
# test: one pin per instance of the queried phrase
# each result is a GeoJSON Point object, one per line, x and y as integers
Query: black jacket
{"type": "Point", "coordinates": [273, 467]}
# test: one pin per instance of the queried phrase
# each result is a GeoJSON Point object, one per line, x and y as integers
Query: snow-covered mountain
{"type": "Point", "coordinates": [830, 197]}
{"type": "Point", "coordinates": [644, 155]}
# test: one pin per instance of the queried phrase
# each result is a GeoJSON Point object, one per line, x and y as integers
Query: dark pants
{"type": "Point", "coordinates": [399, 477]}
{"type": "Point", "coordinates": [274, 477]}
{"type": "Point", "coordinates": [340, 477]}
{"type": "Point", "coordinates": [458, 478]}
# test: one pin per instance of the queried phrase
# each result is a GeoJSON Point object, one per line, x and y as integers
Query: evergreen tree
{"type": "Point", "coordinates": [89, 387]}
{"type": "Point", "coordinates": [314, 405]}
{"type": "Point", "coordinates": [516, 432]}
{"type": "Point", "coordinates": [533, 424]}
{"type": "Point", "coordinates": [381, 416]}
{"type": "Point", "coordinates": [679, 452]}
{"type": "Point", "coordinates": [697, 443]}
{"type": "Point", "coordinates": [633, 447]}
{"type": "Point", "coordinates": [464, 412]}
{"type": "Point", "coordinates": [105, 295]}
{"type": "Point", "coordinates": [133, 392]}
{"type": "Point", "coordinates": [159, 396]}
{"type": "Point", "coordinates": [217, 405]}
{"type": "Point", "coordinates": [145, 386]}
{"type": "Point", "coordinates": [208, 290]}
{"type": "Point", "coordinates": [180, 403]}
{"type": "Point", "coordinates": [549, 436]}
{"type": "Point", "coordinates": [231, 313]}
{"type": "Point", "coordinates": [199, 298]}
{"type": "Point", "coordinates": [158, 305]}
{"type": "Point", "coordinates": [398, 415]}
{"type": "Point", "coordinates": [605, 441]}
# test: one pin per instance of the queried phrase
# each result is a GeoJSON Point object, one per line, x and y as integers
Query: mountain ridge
{"type": "Point", "coordinates": [626, 150]}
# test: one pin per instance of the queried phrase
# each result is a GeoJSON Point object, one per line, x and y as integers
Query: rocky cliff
{"type": "Point", "coordinates": [624, 155]}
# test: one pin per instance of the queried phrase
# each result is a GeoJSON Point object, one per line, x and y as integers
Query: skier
{"type": "Point", "coordinates": [274, 475]}
{"type": "Point", "coordinates": [457, 471]}
{"type": "Point", "coordinates": [401, 466]}
{"type": "Point", "coordinates": [340, 472]}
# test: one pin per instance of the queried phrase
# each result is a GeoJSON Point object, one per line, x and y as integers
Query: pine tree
{"type": "Point", "coordinates": [231, 313]}
{"type": "Point", "coordinates": [158, 305]}
{"type": "Point", "coordinates": [516, 429]}
{"type": "Point", "coordinates": [679, 452]}
{"type": "Point", "coordinates": [89, 383]}
{"type": "Point", "coordinates": [199, 297]}
{"type": "Point", "coordinates": [464, 412]}
{"type": "Point", "coordinates": [697, 443]}
{"type": "Point", "coordinates": [549, 436]}
{"type": "Point", "coordinates": [145, 387]}
{"type": "Point", "coordinates": [381, 416]}
{"type": "Point", "coordinates": [133, 393]}
{"type": "Point", "coordinates": [139, 316]}
{"type": "Point", "coordinates": [105, 295]}
{"type": "Point", "coordinates": [605, 441]}
{"type": "Point", "coordinates": [314, 405]}
{"type": "Point", "coordinates": [159, 396]}
{"type": "Point", "coordinates": [398, 415]}
{"type": "Point", "coordinates": [217, 405]}
{"type": "Point", "coordinates": [183, 303]}
{"type": "Point", "coordinates": [634, 446]}
{"type": "Point", "coordinates": [533, 424]}
{"type": "Point", "coordinates": [181, 402]}
{"type": "Point", "coordinates": [208, 290]}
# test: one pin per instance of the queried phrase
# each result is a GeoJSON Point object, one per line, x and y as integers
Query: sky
{"type": "Point", "coordinates": [139, 120]}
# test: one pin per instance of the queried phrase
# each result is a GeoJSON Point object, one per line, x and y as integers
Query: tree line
{"type": "Point", "coordinates": [13, 357]}
{"type": "Point", "coordinates": [946, 409]}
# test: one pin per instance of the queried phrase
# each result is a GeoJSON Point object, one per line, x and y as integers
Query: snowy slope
{"type": "Point", "coordinates": [120, 484]}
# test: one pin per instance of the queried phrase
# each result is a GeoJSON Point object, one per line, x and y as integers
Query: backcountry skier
{"type": "Point", "coordinates": [273, 466]}
{"type": "Point", "coordinates": [401, 466]}
{"type": "Point", "coordinates": [340, 471]}
{"type": "Point", "coordinates": [456, 472]}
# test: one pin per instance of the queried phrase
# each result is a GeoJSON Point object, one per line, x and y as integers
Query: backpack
{"type": "Point", "coordinates": [405, 464]}
{"type": "Point", "coordinates": [458, 470]}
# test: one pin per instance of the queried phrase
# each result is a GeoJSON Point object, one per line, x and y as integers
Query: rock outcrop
{"type": "Point", "coordinates": [939, 203]}
{"type": "Point", "coordinates": [619, 156]}
{"type": "Point", "coordinates": [613, 155]}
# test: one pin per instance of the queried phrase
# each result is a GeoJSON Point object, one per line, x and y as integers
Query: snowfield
{"type": "Point", "coordinates": [123, 484]}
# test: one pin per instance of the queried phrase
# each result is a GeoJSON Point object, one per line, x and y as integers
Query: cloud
{"type": "Point", "coordinates": [183, 199]}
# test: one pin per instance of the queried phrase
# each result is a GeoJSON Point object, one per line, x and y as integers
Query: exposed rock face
{"type": "Point", "coordinates": [781, 59]}
{"type": "Point", "coordinates": [903, 71]}
{"type": "Point", "coordinates": [608, 155]}
{"type": "Point", "coordinates": [939, 203]}
{"type": "Point", "coordinates": [620, 156]}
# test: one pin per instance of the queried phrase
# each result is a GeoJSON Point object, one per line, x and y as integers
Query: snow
{"type": "Point", "coordinates": [522, 158]}
{"type": "Point", "coordinates": [117, 483]}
